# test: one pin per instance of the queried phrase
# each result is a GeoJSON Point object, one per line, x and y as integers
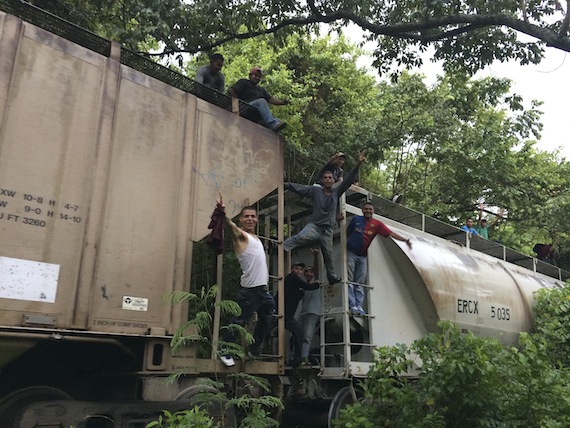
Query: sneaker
{"type": "Point", "coordinates": [335, 281]}
{"type": "Point", "coordinates": [228, 360]}
{"type": "Point", "coordinates": [357, 310]}
{"type": "Point", "coordinates": [279, 126]}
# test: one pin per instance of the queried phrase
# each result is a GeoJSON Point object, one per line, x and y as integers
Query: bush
{"type": "Point", "coordinates": [463, 381]}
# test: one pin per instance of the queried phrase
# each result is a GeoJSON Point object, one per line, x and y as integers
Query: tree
{"type": "Point", "coordinates": [465, 34]}
{"type": "Point", "coordinates": [452, 142]}
{"type": "Point", "coordinates": [448, 146]}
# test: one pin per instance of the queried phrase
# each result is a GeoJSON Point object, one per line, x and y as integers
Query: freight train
{"type": "Point", "coordinates": [110, 165]}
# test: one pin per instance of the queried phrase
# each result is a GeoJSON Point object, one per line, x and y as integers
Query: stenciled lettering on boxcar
{"type": "Point", "coordinates": [36, 210]}
{"type": "Point", "coordinates": [495, 312]}
{"type": "Point", "coordinates": [466, 306]}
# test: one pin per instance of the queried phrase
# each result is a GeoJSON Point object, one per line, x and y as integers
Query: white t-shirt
{"type": "Point", "coordinates": [253, 264]}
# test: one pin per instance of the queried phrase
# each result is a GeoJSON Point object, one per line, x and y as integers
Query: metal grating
{"type": "Point", "coordinates": [49, 22]}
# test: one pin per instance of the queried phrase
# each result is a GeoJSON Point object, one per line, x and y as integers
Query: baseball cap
{"type": "Point", "coordinates": [255, 70]}
{"type": "Point", "coordinates": [299, 264]}
{"type": "Point", "coordinates": [340, 154]}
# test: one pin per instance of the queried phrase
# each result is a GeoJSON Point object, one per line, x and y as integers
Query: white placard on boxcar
{"type": "Point", "coordinates": [28, 280]}
{"type": "Point", "coordinates": [135, 303]}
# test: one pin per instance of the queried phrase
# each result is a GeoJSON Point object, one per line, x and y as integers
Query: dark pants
{"type": "Point", "coordinates": [253, 300]}
{"type": "Point", "coordinates": [296, 329]}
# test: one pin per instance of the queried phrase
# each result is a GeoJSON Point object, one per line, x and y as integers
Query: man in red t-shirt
{"type": "Point", "coordinates": [361, 231]}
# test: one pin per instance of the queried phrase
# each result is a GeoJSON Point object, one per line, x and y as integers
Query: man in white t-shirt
{"type": "Point", "coordinates": [253, 295]}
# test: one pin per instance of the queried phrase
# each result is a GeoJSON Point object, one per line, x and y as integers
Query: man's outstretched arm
{"type": "Point", "coordinates": [349, 179]}
{"type": "Point", "coordinates": [401, 238]}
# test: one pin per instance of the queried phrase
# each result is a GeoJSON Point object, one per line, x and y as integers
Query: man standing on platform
{"type": "Point", "coordinates": [253, 295]}
{"type": "Point", "coordinates": [361, 231]}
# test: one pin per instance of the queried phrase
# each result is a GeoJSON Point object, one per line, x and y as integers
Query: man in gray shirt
{"type": "Point", "coordinates": [322, 220]}
{"type": "Point", "coordinates": [211, 75]}
{"type": "Point", "coordinates": [311, 307]}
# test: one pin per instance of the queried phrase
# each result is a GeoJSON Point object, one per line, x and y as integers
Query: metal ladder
{"type": "Point", "coordinates": [336, 364]}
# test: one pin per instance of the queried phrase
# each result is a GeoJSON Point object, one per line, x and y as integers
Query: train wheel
{"type": "Point", "coordinates": [342, 398]}
{"type": "Point", "coordinates": [12, 406]}
{"type": "Point", "coordinates": [305, 414]}
{"type": "Point", "coordinates": [208, 398]}
{"type": "Point", "coordinates": [96, 421]}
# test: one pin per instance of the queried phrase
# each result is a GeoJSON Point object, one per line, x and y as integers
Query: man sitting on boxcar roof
{"type": "Point", "coordinates": [249, 91]}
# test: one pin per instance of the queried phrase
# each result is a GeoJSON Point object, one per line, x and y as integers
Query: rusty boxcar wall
{"type": "Point", "coordinates": [106, 177]}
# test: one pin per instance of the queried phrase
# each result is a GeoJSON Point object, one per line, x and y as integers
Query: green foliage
{"type": "Point", "coordinates": [253, 407]}
{"type": "Point", "coordinates": [465, 140]}
{"type": "Point", "coordinates": [247, 394]}
{"type": "Point", "coordinates": [198, 329]}
{"type": "Point", "coordinates": [552, 322]}
{"type": "Point", "coordinates": [195, 417]}
{"type": "Point", "coordinates": [463, 381]}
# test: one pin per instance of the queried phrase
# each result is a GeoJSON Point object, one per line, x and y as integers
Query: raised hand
{"type": "Point", "coordinates": [220, 202]}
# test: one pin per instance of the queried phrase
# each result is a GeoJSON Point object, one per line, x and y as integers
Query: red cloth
{"type": "Point", "coordinates": [216, 238]}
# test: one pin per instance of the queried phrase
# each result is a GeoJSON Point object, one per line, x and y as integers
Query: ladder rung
{"type": "Point", "coordinates": [349, 344]}
{"type": "Point", "coordinates": [269, 239]}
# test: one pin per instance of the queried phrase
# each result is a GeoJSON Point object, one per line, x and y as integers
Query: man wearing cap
{"type": "Point", "coordinates": [294, 290]}
{"type": "Point", "coordinates": [211, 75]}
{"type": "Point", "coordinates": [334, 165]}
{"type": "Point", "coordinates": [482, 227]}
{"type": "Point", "coordinates": [249, 91]}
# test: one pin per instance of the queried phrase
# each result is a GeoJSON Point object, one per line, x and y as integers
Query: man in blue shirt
{"type": "Point", "coordinates": [361, 232]}
{"type": "Point", "coordinates": [468, 226]}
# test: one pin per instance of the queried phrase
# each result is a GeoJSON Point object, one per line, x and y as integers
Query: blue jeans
{"type": "Point", "coordinates": [357, 266]}
{"type": "Point", "coordinates": [252, 300]}
{"type": "Point", "coordinates": [309, 322]}
{"type": "Point", "coordinates": [262, 106]}
{"type": "Point", "coordinates": [324, 236]}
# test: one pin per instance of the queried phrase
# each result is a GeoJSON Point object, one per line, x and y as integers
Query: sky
{"type": "Point", "coordinates": [547, 82]}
